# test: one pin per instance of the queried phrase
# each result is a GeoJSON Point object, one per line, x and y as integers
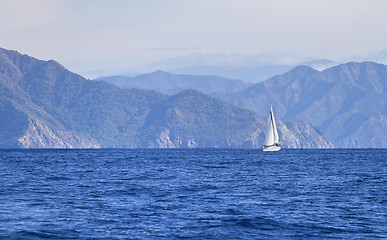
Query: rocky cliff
{"type": "Point", "coordinates": [39, 135]}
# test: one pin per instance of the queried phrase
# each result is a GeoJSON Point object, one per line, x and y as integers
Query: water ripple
{"type": "Point", "coordinates": [193, 194]}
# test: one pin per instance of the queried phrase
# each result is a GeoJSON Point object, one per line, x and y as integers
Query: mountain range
{"type": "Point", "coordinates": [44, 105]}
{"type": "Point", "coordinates": [170, 83]}
{"type": "Point", "coordinates": [348, 102]}
{"type": "Point", "coordinates": [252, 68]}
{"type": "Point", "coordinates": [250, 74]}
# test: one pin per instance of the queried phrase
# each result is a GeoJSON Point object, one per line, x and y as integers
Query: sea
{"type": "Point", "coordinates": [193, 194]}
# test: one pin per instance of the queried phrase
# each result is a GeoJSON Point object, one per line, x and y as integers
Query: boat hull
{"type": "Point", "coordinates": [271, 148]}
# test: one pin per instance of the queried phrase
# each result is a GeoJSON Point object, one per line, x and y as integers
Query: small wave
{"type": "Point", "coordinates": [33, 235]}
{"type": "Point", "coordinates": [255, 223]}
{"type": "Point", "coordinates": [56, 178]}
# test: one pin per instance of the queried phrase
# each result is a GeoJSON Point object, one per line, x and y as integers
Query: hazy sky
{"type": "Point", "coordinates": [99, 36]}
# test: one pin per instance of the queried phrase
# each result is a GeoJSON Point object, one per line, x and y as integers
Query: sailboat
{"type": "Point", "coordinates": [272, 142]}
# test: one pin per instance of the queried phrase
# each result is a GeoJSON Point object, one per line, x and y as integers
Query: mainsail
{"type": "Point", "coordinates": [272, 142]}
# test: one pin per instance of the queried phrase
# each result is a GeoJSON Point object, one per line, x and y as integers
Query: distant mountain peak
{"type": "Point", "coordinates": [356, 65]}
{"type": "Point", "coordinates": [159, 72]}
{"type": "Point", "coordinates": [303, 69]}
{"type": "Point", "coordinates": [366, 75]}
{"type": "Point", "coordinates": [170, 83]}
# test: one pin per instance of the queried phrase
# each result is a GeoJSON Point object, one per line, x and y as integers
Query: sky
{"type": "Point", "coordinates": [102, 37]}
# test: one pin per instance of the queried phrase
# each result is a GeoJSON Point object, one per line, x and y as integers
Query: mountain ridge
{"type": "Point", "coordinates": [53, 107]}
{"type": "Point", "coordinates": [340, 101]}
{"type": "Point", "coordinates": [170, 83]}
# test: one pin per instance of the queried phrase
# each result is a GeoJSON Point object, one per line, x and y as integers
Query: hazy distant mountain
{"type": "Point", "coordinates": [253, 74]}
{"type": "Point", "coordinates": [169, 83]}
{"type": "Point", "coordinates": [252, 68]}
{"type": "Point", "coordinates": [248, 74]}
{"type": "Point", "coordinates": [347, 102]}
{"type": "Point", "coordinates": [44, 105]}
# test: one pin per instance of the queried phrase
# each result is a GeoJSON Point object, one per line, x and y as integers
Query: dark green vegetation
{"type": "Point", "coordinates": [44, 105]}
{"type": "Point", "coordinates": [348, 103]}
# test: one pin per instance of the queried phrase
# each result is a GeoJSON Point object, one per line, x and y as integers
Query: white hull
{"type": "Point", "coordinates": [271, 148]}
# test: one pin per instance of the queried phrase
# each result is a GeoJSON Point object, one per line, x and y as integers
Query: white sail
{"type": "Point", "coordinates": [276, 139]}
{"type": "Point", "coordinates": [272, 139]}
{"type": "Point", "coordinates": [269, 140]}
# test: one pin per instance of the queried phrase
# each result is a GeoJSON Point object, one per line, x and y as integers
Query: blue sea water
{"type": "Point", "coordinates": [193, 194]}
